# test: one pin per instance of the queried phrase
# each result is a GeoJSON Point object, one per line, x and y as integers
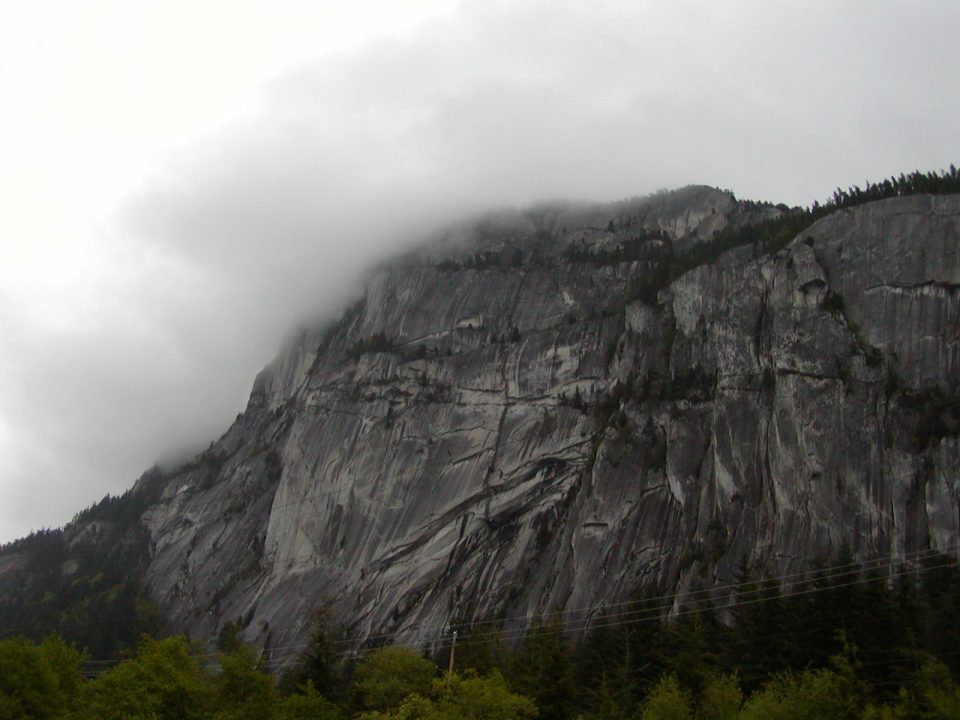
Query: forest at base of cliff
{"type": "Point", "coordinates": [850, 645]}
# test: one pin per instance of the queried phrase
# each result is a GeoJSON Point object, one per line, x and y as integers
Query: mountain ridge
{"type": "Point", "coordinates": [489, 434]}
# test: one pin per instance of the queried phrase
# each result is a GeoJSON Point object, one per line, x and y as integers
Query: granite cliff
{"type": "Point", "coordinates": [527, 416]}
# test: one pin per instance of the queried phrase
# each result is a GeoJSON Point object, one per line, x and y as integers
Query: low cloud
{"type": "Point", "coordinates": [271, 220]}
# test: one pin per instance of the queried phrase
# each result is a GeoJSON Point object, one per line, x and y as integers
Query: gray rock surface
{"type": "Point", "coordinates": [506, 435]}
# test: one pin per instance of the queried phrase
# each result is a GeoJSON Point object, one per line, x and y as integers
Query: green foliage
{"type": "Point", "coordinates": [66, 662]}
{"type": "Point", "coordinates": [481, 649]}
{"type": "Point", "coordinates": [480, 698]}
{"type": "Point", "coordinates": [764, 621]}
{"type": "Point", "coordinates": [691, 646]}
{"type": "Point", "coordinates": [29, 685]}
{"type": "Point", "coordinates": [38, 681]}
{"type": "Point", "coordinates": [720, 698]}
{"type": "Point", "coordinates": [938, 415]}
{"type": "Point", "coordinates": [667, 701]}
{"type": "Point", "coordinates": [822, 694]}
{"type": "Point", "coordinates": [543, 669]}
{"type": "Point", "coordinates": [319, 666]}
{"type": "Point", "coordinates": [309, 704]}
{"type": "Point", "coordinates": [378, 342]}
{"type": "Point", "coordinates": [916, 183]}
{"type": "Point", "coordinates": [125, 509]}
{"type": "Point", "coordinates": [930, 695]}
{"type": "Point", "coordinates": [512, 335]}
{"type": "Point", "coordinates": [937, 609]}
{"type": "Point", "coordinates": [228, 640]}
{"type": "Point", "coordinates": [574, 401]}
{"type": "Point", "coordinates": [657, 265]}
{"type": "Point", "coordinates": [462, 698]}
{"type": "Point", "coordinates": [602, 669]}
{"type": "Point", "coordinates": [85, 590]}
{"type": "Point", "coordinates": [390, 674]}
{"type": "Point", "coordinates": [162, 682]}
{"type": "Point", "coordinates": [940, 703]}
{"type": "Point", "coordinates": [791, 651]}
{"type": "Point", "coordinates": [833, 302]}
{"type": "Point", "coordinates": [642, 245]}
{"type": "Point", "coordinates": [243, 691]}
{"type": "Point", "coordinates": [694, 383]}
{"type": "Point", "coordinates": [483, 260]}
{"type": "Point", "coordinates": [608, 411]}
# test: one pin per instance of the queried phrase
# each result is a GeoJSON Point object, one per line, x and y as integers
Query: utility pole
{"type": "Point", "coordinates": [453, 651]}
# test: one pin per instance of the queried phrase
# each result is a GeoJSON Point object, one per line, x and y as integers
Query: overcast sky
{"type": "Point", "coordinates": [181, 183]}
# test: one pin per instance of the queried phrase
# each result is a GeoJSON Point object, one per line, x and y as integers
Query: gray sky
{"type": "Point", "coordinates": [182, 182]}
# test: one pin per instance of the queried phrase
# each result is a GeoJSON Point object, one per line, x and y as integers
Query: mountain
{"type": "Point", "coordinates": [554, 410]}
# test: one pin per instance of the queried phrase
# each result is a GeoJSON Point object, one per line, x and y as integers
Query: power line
{"type": "Point", "coordinates": [624, 619]}
{"type": "Point", "coordinates": [744, 591]}
{"type": "Point", "coordinates": [821, 574]}
{"type": "Point", "coordinates": [649, 614]}
{"type": "Point", "coordinates": [748, 593]}
{"type": "Point", "coordinates": [815, 574]}
{"type": "Point", "coordinates": [640, 616]}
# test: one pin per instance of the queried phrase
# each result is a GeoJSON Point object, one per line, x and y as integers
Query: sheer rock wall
{"type": "Point", "coordinates": [520, 440]}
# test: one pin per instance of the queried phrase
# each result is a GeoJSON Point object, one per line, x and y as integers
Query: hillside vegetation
{"type": "Point", "coordinates": [842, 643]}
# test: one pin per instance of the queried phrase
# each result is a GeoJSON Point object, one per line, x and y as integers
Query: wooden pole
{"type": "Point", "coordinates": [453, 650]}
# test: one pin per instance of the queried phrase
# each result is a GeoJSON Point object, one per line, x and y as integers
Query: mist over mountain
{"type": "Point", "coordinates": [183, 186]}
{"type": "Point", "coordinates": [550, 411]}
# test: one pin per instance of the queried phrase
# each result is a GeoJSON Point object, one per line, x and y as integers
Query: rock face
{"type": "Point", "coordinates": [499, 427]}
